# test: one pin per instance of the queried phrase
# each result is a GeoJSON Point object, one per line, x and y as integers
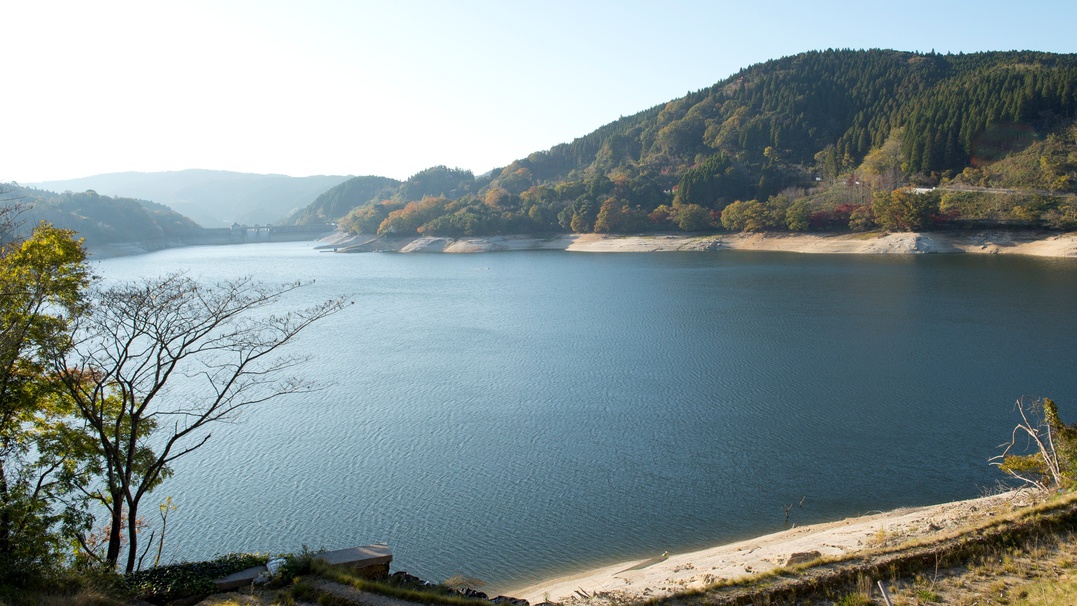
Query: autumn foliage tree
{"type": "Point", "coordinates": [798, 216]}
{"type": "Point", "coordinates": [777, 212]}
{"type": "Point", "coordinates": [904, 209]}
{"type": "Point", "coordinates": [616, 216]}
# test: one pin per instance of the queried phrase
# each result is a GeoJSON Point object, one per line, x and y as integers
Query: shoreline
{"type": "Point", "coordinates": [987, 242]}
{"type": "Point", "coordinates": [1038, 244]}
{"type": "Point", "coordinates": [661, 576]}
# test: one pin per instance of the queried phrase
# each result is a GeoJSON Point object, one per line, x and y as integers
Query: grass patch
{"type": "Point", "coordinates": [430, 594]}
{"type": "Point", "coordinates": [1047, 593]}
{"type": "Point", "coordinates": [926, 595]}
{"type": "Point", "coordinates": [90, 588]}
{"type": "Point", "coordinates": [865, 235]}
{"type": "Point", "coordinates": [80, 597]}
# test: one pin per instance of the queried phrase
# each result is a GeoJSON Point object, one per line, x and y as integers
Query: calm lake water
{"type": "Point", "coordinates": [513, 416]}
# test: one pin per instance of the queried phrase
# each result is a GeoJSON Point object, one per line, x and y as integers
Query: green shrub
{"type": "Point", "coordinates": [926, 595]}
{"type": "Point", "coordinates": [854, 599]}
{"type": "Point", "coordinates": [167, 583]}
{"type": "Point", "coordinates": [295, 566]}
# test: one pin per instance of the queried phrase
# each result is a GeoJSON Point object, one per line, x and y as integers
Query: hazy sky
{"type": "Point", "coordinates": [390, 87]}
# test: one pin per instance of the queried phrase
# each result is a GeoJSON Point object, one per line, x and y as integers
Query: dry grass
{"type": "Point", "coordinates": [1023, 573]}
{"type": "Point", "coordinates": [248, 598]}
{"type": "Point", "coordinates": [82, 597]}
{"type": "Point", "coordinates": [1011, 555]}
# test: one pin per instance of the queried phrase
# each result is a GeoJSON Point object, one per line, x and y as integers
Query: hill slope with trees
{"type": "Point", "coordinates": [96, 218]}
{"type": "Point", "coordinates": [213, 198]}
{"type": "Point", "coordinates": [830, 139]}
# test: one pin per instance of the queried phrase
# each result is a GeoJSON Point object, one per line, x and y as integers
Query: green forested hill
{"type": "Point", "coordinates": [832, 135]}
{"type": "Point", "coordinates": [844, 104]}
{"type": "Point", "coordinates": [98, 219]}
{"type": "Point", "coordinates": [213, 198]}
{"type": "Point", "coordinates": [336, 202]}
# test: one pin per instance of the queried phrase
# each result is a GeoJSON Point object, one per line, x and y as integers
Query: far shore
{"type": "Point", "coordinates": [1040, 244]}
{"type": "Point", "coordinates": [667, 574]}
{"type": "Point", "coordinates": [988, 242]}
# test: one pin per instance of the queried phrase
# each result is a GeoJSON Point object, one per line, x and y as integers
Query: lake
{"type": "Point", "coordinates": [513, 416]}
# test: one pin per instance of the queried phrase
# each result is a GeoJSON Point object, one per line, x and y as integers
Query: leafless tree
{"type": "Point", "coordinates": [156, 362]}
{"type": "Point", "coordinates": [1047, 437]}
{"type": "Point", "coordinates": [12, 206]}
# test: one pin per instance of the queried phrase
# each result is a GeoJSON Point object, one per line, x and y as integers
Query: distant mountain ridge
{"type": "Point", "coordinates": [212, 198]}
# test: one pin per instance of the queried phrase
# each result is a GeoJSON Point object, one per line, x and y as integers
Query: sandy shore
{"type": "Point", "coordinates": [997, 242]}
{"type": "Point", "coordinates": [1020, 243]}
{"type": "Point", "coordinates": [1054, 245]}
{"type": "Point", "coordinates": [672, 573]}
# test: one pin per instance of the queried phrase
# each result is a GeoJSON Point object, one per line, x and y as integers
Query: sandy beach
{"type": "Point", "coordinates": [666, 574]}
{"type": "Point", "coordinates": [1000, 242]}
{"type": "Point", "coordinates": [1057, 245]}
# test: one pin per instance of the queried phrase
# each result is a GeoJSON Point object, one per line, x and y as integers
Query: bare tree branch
{"type": "Point", "coordinates": [220, 343]}
{"type": "Point", "coordinates": [1043, 468]}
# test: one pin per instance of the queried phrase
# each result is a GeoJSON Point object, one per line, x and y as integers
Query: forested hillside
{"type": "Point", "coordinates": [821, 140]}
{"type": "Point", "coordinates": [336, 202]}
{"type": "Point", "coordinates": [98, 219]}
{"type": "Point", "coordinates": [213, 198]}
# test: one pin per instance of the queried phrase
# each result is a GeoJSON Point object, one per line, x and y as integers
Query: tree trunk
{"type": "Point", "coordinates": [132, 538]}
{"type": "Point", "coordinates": [5, 514]}
{"type": "Point", "coordinates": [115, 533]}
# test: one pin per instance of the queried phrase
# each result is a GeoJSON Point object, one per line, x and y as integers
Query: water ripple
{"type": "Point", "coordinates": [556, 411]}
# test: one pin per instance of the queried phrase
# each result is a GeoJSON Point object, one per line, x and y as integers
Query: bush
{"type": "Point", "coordinates": [295, 566]}
{"type": "Point", "coordinates": [166, 583]}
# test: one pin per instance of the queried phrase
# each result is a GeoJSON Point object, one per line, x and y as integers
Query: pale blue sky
{"type": "Point", "coordinates": [390, 88]}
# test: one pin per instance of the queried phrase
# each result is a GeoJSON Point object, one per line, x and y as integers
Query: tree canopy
{"type": "Point", "coordinates": [42, 279]}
